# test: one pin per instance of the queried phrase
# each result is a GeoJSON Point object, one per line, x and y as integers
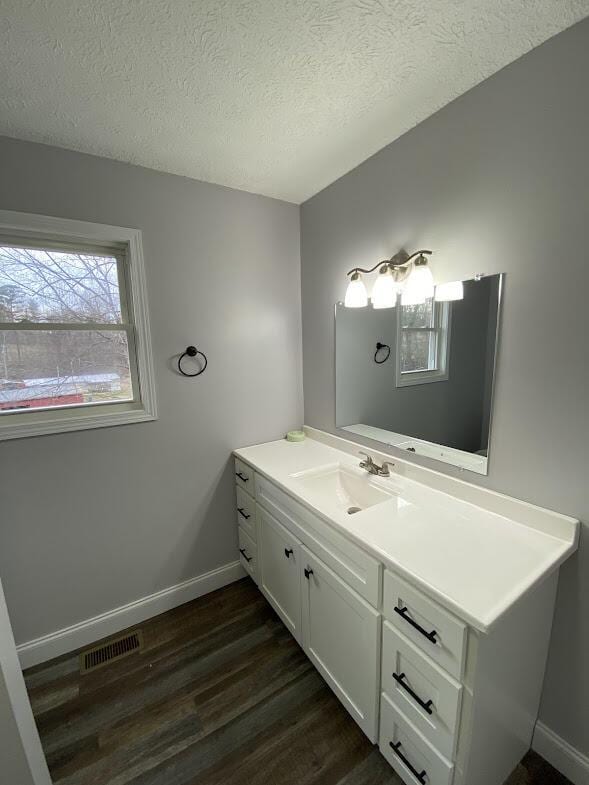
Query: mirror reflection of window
{"type": "Point", "coordinates": [423, 342]}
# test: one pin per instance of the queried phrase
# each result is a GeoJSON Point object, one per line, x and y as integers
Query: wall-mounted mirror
{"type": "Point", "coordinates": [420, 377]}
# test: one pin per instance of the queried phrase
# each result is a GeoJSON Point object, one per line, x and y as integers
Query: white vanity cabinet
{"type": "Point", "coordinates": [246, 513]}
{"type": "Point", "coordinates": [279, 556]}
{"type": "Point", "coordinates": [440, 635]}
{"type": "Point", "coordinates": [341, 636]}
{"type": "Point", "coordinates": [339, 631]}
{"type": "Point", "coordinates": [447, 702]}
{"type": "Point", "coordinates": [428, 696]}
{"type": "Point", "coordinates": [248, 553]}
{"type": "Point", "coordinates": [317, 582]}
{"type": "Point", "coordinates": [423, 659]}
{"type": "Point", "coordinates": [246, 518]}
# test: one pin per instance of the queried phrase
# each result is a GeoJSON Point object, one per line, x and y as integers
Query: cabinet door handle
{"type": "Point", "coordinates": [420, 776]}
{"type": "Point", "coordinates": [425, 705]}
{"type": "Point", "coordinates": [287, 552]}
{"type": "Point", "coordinates": [431, 636]}
{"type": "Point", "coordinates": [244, 554]}
{"type": "Point", "coordinates": [308, 572]}
{"type": "Point", "coordinates": [241, 476]}
{"type": "Point", "coordinates": [242, 513]}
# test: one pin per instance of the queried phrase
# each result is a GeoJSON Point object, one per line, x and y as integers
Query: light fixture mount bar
{"type": "Point", "coordinates": [399, 260]}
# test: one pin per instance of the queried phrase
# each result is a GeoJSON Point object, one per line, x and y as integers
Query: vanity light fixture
{"type": "Point", "coordinates": [420, 283]}
{"type": "Point", "coordinates": [386, 288]}
{"type": "Point", "coordinates": [394, 275]}
{"type": "Point", "coordinates": [356, 295]}
{"type": "Point", "coordinates": [405, 274]}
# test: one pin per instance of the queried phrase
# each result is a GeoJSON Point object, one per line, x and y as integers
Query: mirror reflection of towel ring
{"type": "Point", "coordinates": [192, 351]}
{"type": "Point", "coordinates": [380, 346]}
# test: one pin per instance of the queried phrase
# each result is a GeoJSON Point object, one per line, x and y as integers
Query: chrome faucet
{"type": "Point", "coordinates": [373, 468]}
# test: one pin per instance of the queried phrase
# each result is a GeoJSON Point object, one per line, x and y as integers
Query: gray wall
{"type": "Point", "coordinates": [95, 519]}
{"type": "Point", "coordinates": [496, 181]}
{"type": "Point", "coordinates": [448, 412]}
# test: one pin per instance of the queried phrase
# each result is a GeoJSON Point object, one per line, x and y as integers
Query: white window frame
{"type": "Point", "coordinates": [126, 245]}
{"type": "Point", "coordinates": [439, 355]}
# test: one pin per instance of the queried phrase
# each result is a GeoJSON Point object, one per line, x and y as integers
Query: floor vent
{"type": "Point", "coordinates": [112, 650]}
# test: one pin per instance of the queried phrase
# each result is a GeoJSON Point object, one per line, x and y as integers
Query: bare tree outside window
{"type": "Point", "coordinates": [422, 342]}
{"type": "Point", "coordinates": [63, 337]}
{"type": "Point", "coordinates": [417, 342]}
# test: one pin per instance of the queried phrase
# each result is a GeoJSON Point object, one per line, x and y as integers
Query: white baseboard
{"type": "Point", "coordinates": [82, 634]}
{"type": "Point", "coordinates": [568, 760]}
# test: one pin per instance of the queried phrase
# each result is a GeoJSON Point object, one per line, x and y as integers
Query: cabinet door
{"type": "Point", "coordinates": [341, 636]}
{"type": "Point", "coordinates": [280, 570]}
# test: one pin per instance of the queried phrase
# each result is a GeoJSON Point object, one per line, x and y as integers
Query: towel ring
{"type": "Point", "coordinates": [380, 346]}
{"type": "Point", "coordinates": [192, 351]}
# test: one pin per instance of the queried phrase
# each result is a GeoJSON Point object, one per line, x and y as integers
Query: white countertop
{"type": "Point", "coordinates": [474, 562]}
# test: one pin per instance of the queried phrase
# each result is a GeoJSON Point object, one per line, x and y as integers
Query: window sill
{"type": "Point", "coordinates": [421, 377]}
{"type": "Point", "coordinates": [50, 422]}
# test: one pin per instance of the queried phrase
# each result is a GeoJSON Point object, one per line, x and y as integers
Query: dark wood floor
{"type": "Point", "coordinates": [220, 695]}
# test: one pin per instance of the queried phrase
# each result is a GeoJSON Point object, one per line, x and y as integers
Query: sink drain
{"type": "Point", "coordinates": [352, 510]}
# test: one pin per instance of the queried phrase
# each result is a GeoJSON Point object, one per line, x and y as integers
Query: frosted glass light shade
{"type": "Point", "coordinates": [446, 292]}
{"type": "Point", "coordinates": [356, 294]}
{"type": "Point", "coordinates": [419, 286]}
{"type": "Point", "coordinates": [384, 291]}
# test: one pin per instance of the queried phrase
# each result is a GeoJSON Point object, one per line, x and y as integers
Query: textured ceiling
{"type": "Point", "coordinates": [278, 97]}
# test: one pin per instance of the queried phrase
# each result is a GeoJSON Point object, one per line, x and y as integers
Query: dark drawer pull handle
{"type": "Point", "coordinates": [308, 572]}
{"type": "Point", "coordinates": [425, 705]}
{"type": "Point", "coordinates": [431, 636]}
{"type": "Point", "coordinates": [419, 775]}
{"type": "Point", "coordinates": [287, 552]}
{"type": "Point", "coordinates": [242, 513]}
{"type": "Point", "coordinates": [244, 554]}
{"type": "Point", "coordinates": [241, 476]}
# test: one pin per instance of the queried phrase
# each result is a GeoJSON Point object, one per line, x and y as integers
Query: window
{"type": "Point", "coordinates": [423, 340]}
{"type": "Point", "coordinates": [74, 334]}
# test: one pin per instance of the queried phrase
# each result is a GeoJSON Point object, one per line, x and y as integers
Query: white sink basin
{"type": "Point", "coordinates": [349, 490]}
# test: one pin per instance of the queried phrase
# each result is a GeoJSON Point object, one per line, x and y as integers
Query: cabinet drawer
{"type": "Point", "coordinates": [426, 694]}
{"type": "Point", "coordinates": [246, 512]}
{"type": "Point", "coordinates": [411, 756]}
{"type": "Point", "coordinates": [357, 568]}
{"type": "Point", "coordinates": [244, 476]}
{"type": "Point", "coordinates": [439, 634]}
{"type": "Point", "coordinates": [248, 553]}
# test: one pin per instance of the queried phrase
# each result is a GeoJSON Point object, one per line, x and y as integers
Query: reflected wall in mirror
{"type": "Point", "coordinates": [420, 377]}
